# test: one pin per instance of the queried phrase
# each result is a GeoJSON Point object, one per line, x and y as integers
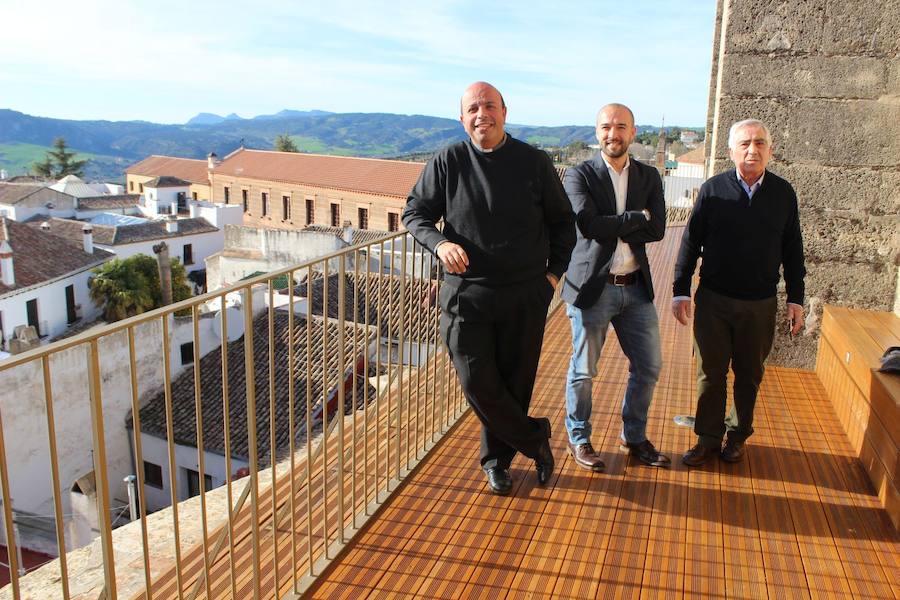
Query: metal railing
{"type": "Point", "coordinates": [304, 404]}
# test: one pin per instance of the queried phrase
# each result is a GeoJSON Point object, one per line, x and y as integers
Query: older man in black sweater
{"type": "Point", "coordinates": [745, 225]}
{"type": "Point", "coordinates": [507, 237]}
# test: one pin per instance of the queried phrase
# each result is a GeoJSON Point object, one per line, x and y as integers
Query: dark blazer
{"type": "Point", "coordinates": [593, 199]}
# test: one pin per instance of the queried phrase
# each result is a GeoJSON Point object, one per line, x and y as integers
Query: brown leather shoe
{"type": "Point", "coordinates": [732, 451]}
{"type": "Point", "coordinates": [586, 458]}
{"type": "Point", "coordinates": [698, 455]}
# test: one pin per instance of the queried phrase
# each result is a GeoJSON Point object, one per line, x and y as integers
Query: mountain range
{"type": "Point", "coordinates": [113, 145]}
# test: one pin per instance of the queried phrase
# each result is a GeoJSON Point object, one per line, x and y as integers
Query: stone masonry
{"type": "Point", "coordinates": [824, 75]}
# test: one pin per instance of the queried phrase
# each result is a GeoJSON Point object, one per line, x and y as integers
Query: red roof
{"type": "Point", "coordinates": [367, 175]}
{"type": "Point", "coordinates": [189, 169]}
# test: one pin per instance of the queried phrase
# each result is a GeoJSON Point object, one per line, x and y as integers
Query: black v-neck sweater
{"type": "Point", "coordinates": [744, 242]}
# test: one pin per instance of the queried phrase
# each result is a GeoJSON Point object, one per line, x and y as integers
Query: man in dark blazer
{"type": "Point", "coordinates": [619, 207]}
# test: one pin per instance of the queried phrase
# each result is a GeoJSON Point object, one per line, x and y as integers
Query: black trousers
{"type": "Point", "coordinates": [739, 333]}
{"type": "Point", "coordinates": [494, 336]}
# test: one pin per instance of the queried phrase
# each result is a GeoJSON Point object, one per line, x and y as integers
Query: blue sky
{"type": "Point", "coordinates": [165, 61]}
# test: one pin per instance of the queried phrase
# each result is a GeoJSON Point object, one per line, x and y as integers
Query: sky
{"type": "Point", "coordinates": [165, 61]}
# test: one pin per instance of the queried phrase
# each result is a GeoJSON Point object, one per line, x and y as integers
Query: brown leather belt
{"type": "Point", "coordinates": [627, 279]}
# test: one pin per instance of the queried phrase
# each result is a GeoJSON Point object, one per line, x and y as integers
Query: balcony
{"type": "Point", "coordinates": [384, 497]}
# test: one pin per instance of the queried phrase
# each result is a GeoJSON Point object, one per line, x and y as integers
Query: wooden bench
{"type": "Point", "coordinates": [867, 402]}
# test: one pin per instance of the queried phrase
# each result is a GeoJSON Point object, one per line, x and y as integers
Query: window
{"type": "Point", "coordinates": [363, 218]}
{"type": "Point", "coordinates": [335, 215]}
{"type": "Point", "coordinates": [188, 254]}
{"type": "Point", "coordinates": [193, 195]}
{"type": "Point", "coordinates": [153, 475]}
{"type": "Point", "coordinates": [285, 208]}
{"type": "Point", "coordinates": [187, 353]}
{"type": "Point", "coordinates": [130, 186]}
{"type": "Point", "coordinates": [227, 194]}
{"type": "Point", "coordinates": [393, 222]}
{"type": "Point", "coordinates": [245, 200]}
{"type": "Point", "coordinates": [141, 186]}
{"type": "Point", "coordinates": [193, 483]}
{"type": "Point", "coordinates": [265, 203]}
{"type": "Point", "coordinates": [310, 211]}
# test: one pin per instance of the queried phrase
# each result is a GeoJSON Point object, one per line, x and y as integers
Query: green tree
{"type": "Point", "coordinates": [131, 286]}
{"type": "Point", "coordinates": [59, 162]}
{"type": "Point", "coordinates": [284, 143]}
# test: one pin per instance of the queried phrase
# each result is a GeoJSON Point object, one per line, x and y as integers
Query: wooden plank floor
{"type": "Point", "coordinates": [796, 519]}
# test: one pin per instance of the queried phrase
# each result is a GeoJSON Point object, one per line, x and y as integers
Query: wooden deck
{"type": "Point", "coordinates": [797, 518]}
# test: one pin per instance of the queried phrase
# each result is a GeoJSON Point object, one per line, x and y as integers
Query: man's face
{"type": "Point", "coordinates": [615, 131]}
{"type": "Point", "coordinates": [483, 115]}
{"type": "Point", "coordinates": [751, 152]}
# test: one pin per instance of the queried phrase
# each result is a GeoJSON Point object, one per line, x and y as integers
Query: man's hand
{"type": "Point", "coordinates": [554, 281]}
{"type": "Point", "coordinates": [683, 310]}
{"type": "Point", "coordinates": [795, 318]}
{"type": "Point", "coordinates": [453, 257]}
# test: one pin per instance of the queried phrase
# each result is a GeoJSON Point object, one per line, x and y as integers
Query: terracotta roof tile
{"type": "Point", "coordinates": [189, 169]}
{"type": "Point", "coordinates": [378, 298]}
{"type": "Point", "coordinates": [40, 256]}
{"type": "Point", "coordinates": [111, 235]}
{"type": "Point", "coordinates": [368, 175]}
{"type": "Point", "coordinates": [153, 414]}
{"type": "Point", "coordinates": [13, 193]}
{"type": "Point", "coordinates": [697, 156]}
{"type": "Point", "coordinates": [107, 202]}
{"type": "Point", "coordinates": [359, 236]}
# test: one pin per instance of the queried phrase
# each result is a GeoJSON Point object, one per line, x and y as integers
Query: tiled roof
{"type": "Point", "coordinates": [166, 181]}
{"type": "Point", "coordinates": [378, 297]}
{"type": "Point", "coordinates": [153, 414]}
{"type": "Point", "coordinates": [13, 193]}
{"type": "Point", "coordinates": [367, 175]}
{"type": "Point", "coordinates": [110, 235]}
{"type": "Point", "coordinates": [360, 236]}
{"type": "Point", "coordinates": [189, 169]}
{"type": "Point", "coordinates": [697, 156]}
{"type": "Point", "coordinates": [40, 256]}
{"type": "Point", "coordinates": [108, 202]}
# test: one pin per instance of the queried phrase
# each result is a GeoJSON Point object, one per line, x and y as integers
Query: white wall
{"type": "Point", "coordinates": [51, 302]}
{"type": "Point", "coordinates": [25, 422]}
{"type": "Point", "coordinates": [248, 250]}
{"type": "Point", "coordinates": [219, 215]}
{"type": "Point", "coordinates": [688, 170]}
{"type": "Point", "coordinates": [203, 245]}
{"type": "Point", "coordinates": [156, 451]}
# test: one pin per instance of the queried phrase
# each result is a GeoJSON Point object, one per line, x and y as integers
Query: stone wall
{"type": "Point", "coordinates": [824, 75]}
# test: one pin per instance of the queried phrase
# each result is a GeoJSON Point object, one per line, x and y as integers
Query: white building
{"type": "Point", "coordinates": [250, 250]}
{"type": "Point", "coordinates": [44, 281]}
{"type": "Point", "coordinates": [75, 186]}
{"type": "Point", "coordinates": [691, 164]}
{"type": "Point", "coordinates": [191, 239]}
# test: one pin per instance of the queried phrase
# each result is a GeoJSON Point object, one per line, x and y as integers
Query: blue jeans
{"type": "Point", "coordinates": [633, 316]}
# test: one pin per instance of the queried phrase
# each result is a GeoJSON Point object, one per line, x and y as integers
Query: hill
{"type": "Point", "coordinates": [112, 145]}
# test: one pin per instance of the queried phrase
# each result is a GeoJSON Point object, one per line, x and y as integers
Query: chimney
{"type": "Point", "coordinates": [45, 226]}
{"type": "Point", "coordinates": [88, 232]}
{"type": "Point", "coordinates": [172, 224]}
{"type": "Point", "coordinates": [195, 210]}
{"type": "Point", "coordinates": [348, 232]}
{"type": "Point", "coordinates": [211, 161]}
{"type": "Point", "coordinates": [173, 208]}
{"type": "Point", "coordinates": [7, 276]}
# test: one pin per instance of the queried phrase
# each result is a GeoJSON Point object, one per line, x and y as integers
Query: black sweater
{"type": "Point", "coordinates": [743, 242]}
{"type": "Point", "coordinates": [506, 208]}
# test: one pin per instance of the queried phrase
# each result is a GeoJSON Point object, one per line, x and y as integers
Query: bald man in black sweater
{"type": "Point", "coordinates": [507, 237]}
{"type": "Point", "coordinates": [746, 226]}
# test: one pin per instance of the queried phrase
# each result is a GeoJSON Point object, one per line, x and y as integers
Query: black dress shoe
{"type": "Point", "coordinates": [544, 461]}
{"type": "Point", "coordinates": [698, 455]}
{"type": "Point", "coordinates": [499, 480]}
{"type": "Point", "coordinates": [586, 458]}
{"type": "Point", "coordinates": [733, 451]}
{"type": "Point", "coordinates": [648, 454]}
